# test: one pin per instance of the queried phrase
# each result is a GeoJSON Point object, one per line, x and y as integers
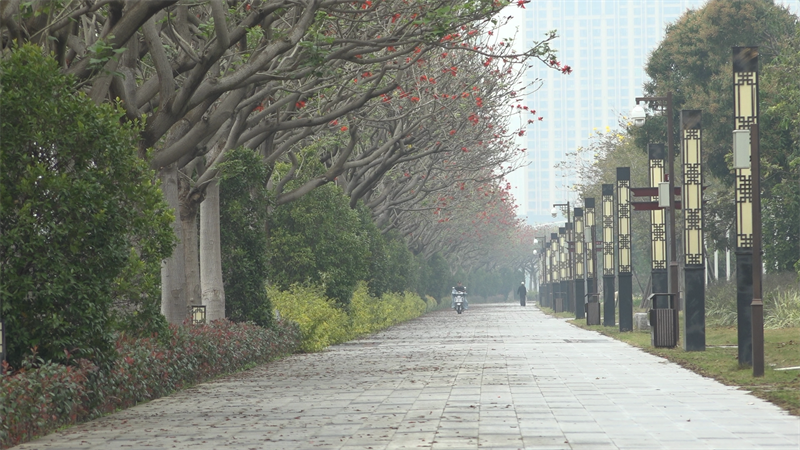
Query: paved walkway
{"type": "Point", "coordinates": [497, 376]}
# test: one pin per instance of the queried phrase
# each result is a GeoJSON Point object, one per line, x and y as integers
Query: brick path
{"type": "Point", "coordinates": [497, 376]}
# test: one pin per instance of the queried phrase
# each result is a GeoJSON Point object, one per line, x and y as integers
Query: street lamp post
{"type": "Point", "coordinates": [569, 265]}
{"type": "Point", "coordinates": [593, 297]}
{"type": "Point", "coordinates": [750, 305]}
{"type": "Point", "coordinates": [569, 295]}
{"type": "Point", "coordinates": [658, 233]}
{"type": "Point", "coordinates": [578, 281]}
{"type": "Point", "coordinates": [693, 249]}
{"type": "Point", "coordinates": [542, 269]}
{"type": "Point", "coordinates": [563, 272]}
{"type": "Point", "coordinates": [637, 114]}
{"type": "Point", "coordinates": [625, 273]}
{"type": "Point", "coordinates": [555, 282]}
{"type": "Point", "coordinates": [609, 318]}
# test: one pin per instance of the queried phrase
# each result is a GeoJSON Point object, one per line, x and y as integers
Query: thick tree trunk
{"type": "Point", "coordinates": [191, 255]}
{"type": "Point", "coordinates": [211, 255]}
{"type": "Point", "coordinates": [174, 304]}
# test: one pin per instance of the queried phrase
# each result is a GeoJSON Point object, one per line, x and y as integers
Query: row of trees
{"type": "Point", "coordinates": [245, 109]}
{"type": "Point", "coordinates": [694, 63]}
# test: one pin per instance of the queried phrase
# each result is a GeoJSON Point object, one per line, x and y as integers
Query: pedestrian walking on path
{"type": "Point", "coordinates": [522, 293]}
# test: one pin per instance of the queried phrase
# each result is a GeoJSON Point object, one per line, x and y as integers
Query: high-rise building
{"type": "Point", "coordinates": [606, 43]}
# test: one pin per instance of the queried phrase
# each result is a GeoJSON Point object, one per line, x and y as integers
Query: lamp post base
{"type": "Point", "coordinates": [580, 300]}
{"type": "Point", "coordinates": [625, 302]}
{"type": "Point", "coordinates": [694, 313]}
{"type": "Point", "coordinates": [609, 308]}
{"type": "Point", "coordinates": [744, 297]}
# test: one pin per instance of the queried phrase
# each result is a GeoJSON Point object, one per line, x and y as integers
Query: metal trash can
{"type": "Point", "coordinates": [664, 330]}
{"type": "Point", "coordinates": [593, 309]}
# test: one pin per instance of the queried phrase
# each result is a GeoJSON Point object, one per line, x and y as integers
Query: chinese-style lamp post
{"type": "Point", "coordinates": [569, 294]}
{"type": "Point", "coordinates": [694, 274]}
{"type": "Point", "coordinates": [544, 285]}
{"type": "Point", "coordinates": [562, 270]}
{"type": "Point", "coordinates": [638, 115]}
{"type": "Point", "coordinates": [579, 289]}
{"type": "Point", "coordinates": [593, 297]}
{"type": "Point", "coordinates": [750, 306]}
{"type": "Point", "coordinates": [555, 282]}
{"type": "Point", "coordinates": [625, 274]}
{"type": "Point", "coordinates": [569, 237]}
{"type": "Point", "coordinates": [609, 318]}
{"type": "Point", "coordinates": [658, 231]}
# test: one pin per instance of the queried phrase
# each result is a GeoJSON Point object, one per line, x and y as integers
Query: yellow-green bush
{"type": "Point", "coordinates": [430, 304]}
{"type": "Point", "coordinates": [322, 323]}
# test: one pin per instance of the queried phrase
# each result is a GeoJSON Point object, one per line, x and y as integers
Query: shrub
{"type": "Point", "coordinates": [721, 304]}
{"type": "Point", "coordinates": [42, 396]}
{"type": "Point", "coordinates": [321, 322]}
{"type": "Point", "coordinates": [77, 209]}
{"type": "Point", "coordinates": [781, 302]}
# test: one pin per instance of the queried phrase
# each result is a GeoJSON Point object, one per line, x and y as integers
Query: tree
{"type": "Point", "coordinates": [78, 210]}
{"type": "Point", "coordinates": [781, 160]}
{"type": "Point", "coordinates": [318, 239]}
{"type": "Point", "coordinates": [694, 62]}
{"type": "Point", "coordinates": [213, 76]}
{"type": "Point", "coordinates": [244, 204]}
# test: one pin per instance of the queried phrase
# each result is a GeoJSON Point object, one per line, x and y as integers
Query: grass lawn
{"type": "Point", "coordinates": [719, 361]}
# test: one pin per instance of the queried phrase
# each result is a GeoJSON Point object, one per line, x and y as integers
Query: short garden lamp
{"type": "Point", "coordinates": [198, 314]}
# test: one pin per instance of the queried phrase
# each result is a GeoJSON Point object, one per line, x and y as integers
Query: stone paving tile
{"type": "Point", "coordinates": [498, 376]}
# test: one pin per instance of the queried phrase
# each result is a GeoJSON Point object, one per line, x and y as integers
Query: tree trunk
{"type": "Point", "coordinates": [188, 217]}
{"type": "Point", "coordinates": [174, 304]}
{"type": "Point", "coordinates": [211, 255]}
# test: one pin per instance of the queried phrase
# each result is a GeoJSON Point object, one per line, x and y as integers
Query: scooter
{"type": "Point", "coordinates": [459, 301]}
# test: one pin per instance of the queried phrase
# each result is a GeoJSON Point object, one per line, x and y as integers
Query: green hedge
{"type": "Point", "coordinates": [42, 396]}
{"type": "Point", "coordinates": [323, 322]}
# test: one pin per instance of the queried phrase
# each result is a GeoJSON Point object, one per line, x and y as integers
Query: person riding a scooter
{"type": "Point", "coordinates": [459, 289]}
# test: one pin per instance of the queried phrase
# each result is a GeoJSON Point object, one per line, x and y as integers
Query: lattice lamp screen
{"type": "Point", "coordinates": [562, 253]}
{"type": "Point", "coordinates": [745, 114]}
{"type": "Point", "coordinates": [580, 235]}
{"type": "Point", "coordinates": [692, 190]}
{"type": "Point", "coordinates": [554, 265]}
{"type": "Point", "coordinates": [624, 218]}
{"type": "Point", "coordinates": [589, 218]}
{"type": "Point", "coordinates": [658, 219]}
{"type": "Point", "coordinates": [608, 229]}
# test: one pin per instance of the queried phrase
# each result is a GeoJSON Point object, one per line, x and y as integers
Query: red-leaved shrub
{"type": "Point", "coordinates": [42, 396]}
